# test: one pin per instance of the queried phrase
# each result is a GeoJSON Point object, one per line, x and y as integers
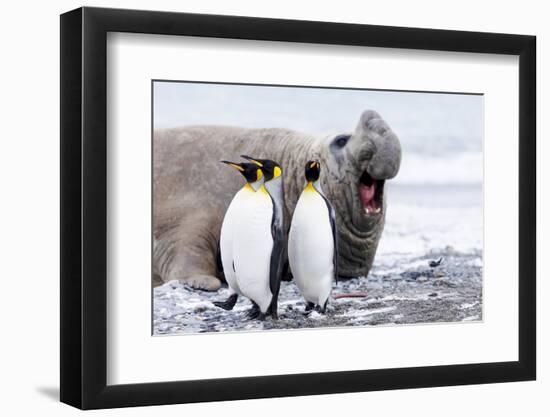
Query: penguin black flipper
{"type": "Point", "coordinates": [227, 304]}
{"type": "Point", "coordinates": [275, 273]}
{"type": "Point", "coordinates": [332, 218]}
{"type": "Point", "coordinates": [219, 263]}
{"type": "Point", "coordinates": [335, 240]}
{"type": "Point", "coordinates": [276, 261]}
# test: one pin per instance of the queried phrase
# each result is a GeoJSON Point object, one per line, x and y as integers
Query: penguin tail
{"type": "Point", "coordinates": [227, 304]}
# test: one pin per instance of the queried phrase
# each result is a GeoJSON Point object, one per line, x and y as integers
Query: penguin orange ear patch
{"type": "Point", "coordinates": [259, 174]}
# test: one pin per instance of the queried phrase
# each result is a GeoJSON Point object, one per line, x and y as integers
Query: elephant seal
{"type": "Point", "coordinates": [192, 190]}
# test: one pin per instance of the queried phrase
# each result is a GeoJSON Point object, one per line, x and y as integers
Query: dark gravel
{"type": "Point", "coordinates": [416, 293]}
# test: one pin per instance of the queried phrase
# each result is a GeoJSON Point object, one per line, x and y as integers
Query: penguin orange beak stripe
{"type": "Point", "coordinates": [234, 165]}
{"type": "Point", "coordinates": [254, 161]}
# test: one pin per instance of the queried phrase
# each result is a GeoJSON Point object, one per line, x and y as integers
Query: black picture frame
{"type": "Point", "coordinates": [84, 207]}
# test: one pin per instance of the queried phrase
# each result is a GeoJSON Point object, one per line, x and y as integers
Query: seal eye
{"type": "Point", "coordinates": [341, 141]}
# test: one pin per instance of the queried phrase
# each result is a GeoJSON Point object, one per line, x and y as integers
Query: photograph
{"type": "Point", "coordinates": [259, 207]}
{"type": "Point", "coordinates": [292, 207]}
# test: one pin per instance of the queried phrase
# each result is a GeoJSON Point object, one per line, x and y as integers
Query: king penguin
{"type": "Point", "coordinates": [312, 242]}
{"type": "Point", "coordinates": [252, 248]}
{"type": "Point", "coordinates": [254, 180]}
{"type": "Point", "coordinates": [273, 183]}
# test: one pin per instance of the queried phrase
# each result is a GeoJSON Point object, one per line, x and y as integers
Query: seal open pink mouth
{"type": "Point", "coordinates": [371, 193]}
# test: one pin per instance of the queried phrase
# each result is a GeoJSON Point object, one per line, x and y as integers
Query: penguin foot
{"type": "Point", "coordinates": [323, 309]}
{"type": "Point", "coordinates": [309, 306]}
{"type": "Point", "coordinates": [254, 312]}
{"type": "Point", "coordinates": [227, 304]}
{"type": "Point", "coordinates": [320, 309]}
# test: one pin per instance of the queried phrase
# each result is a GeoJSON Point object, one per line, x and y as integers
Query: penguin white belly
{"type": "Point", "coordinates": [311, 248]}
{"type": "Point", "coordinates": [226, 239]}
{"type": "Point", "coordinates": [252, 246]}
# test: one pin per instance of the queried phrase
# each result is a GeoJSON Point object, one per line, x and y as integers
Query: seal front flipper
{"type": "Point", "coordinates": [176, 258]}
{"type": "Point", "coordinates": [227, 304]}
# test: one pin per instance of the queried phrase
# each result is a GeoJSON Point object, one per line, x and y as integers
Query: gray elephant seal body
{"type": "Point", "coordinates": [192, 190]}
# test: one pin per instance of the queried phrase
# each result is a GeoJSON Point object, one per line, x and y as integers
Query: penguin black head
{"type": "Point", "coordinates": [313, 170]}
{"type": "Point", "coordinates": [251, 172]}
{"type": "Point", "coordinates": [271, 169]}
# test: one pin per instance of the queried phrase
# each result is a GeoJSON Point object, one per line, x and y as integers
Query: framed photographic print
{"type": "Point", "coordinates": [257, 207]}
